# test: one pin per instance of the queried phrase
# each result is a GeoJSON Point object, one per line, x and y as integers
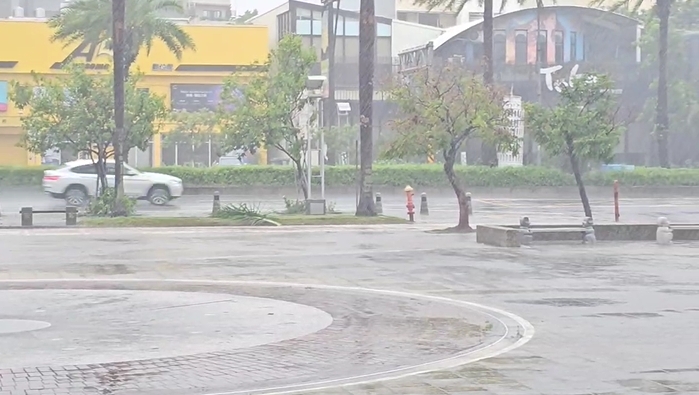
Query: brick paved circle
{"type": "Point", "coordinates": [374, 335]}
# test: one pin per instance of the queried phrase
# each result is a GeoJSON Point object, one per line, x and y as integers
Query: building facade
{"type": "Point", "coordinates": [572, 40]}
{"type": "Point", "coordinates": [219, 10]}
{"type": "Point", "coordinates": [192, 83]}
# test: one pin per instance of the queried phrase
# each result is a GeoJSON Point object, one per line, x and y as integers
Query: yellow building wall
{"type": "Point", "coordinates": [220, 51]}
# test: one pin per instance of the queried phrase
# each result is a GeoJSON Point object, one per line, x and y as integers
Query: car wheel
{"type": "Point", "coordinates": [159, 196]}
{"type": "Point", "coordinates": [76, 196]}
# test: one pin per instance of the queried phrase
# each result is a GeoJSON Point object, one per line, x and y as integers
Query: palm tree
{"type": "Point", "coordinates": [97, 21]}
{"type": "Point", "coordinates": [662, 10]}
{"type": "Point", "coordinates": [91, 21]}
{"type": "Point", "coordinates": [367, 52]}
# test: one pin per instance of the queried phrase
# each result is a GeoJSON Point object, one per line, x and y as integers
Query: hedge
{"type": "Point", "coordinates": [393, 176]}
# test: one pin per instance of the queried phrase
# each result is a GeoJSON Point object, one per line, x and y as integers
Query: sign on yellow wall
{"type": "Point", "coordinates": [220, 49]}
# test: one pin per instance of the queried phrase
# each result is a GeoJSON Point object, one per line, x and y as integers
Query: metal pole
{"type": "Point", "coordinates": [322, 154]}
{"type": "Point", "coordinates": [309, 162]}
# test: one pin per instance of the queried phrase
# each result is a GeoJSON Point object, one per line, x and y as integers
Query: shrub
{"type": "Point", "coordinates": [397, 175]}
{"type": "Point", "coordinates": [102, 206]}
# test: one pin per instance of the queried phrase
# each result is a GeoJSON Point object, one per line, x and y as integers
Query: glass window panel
{"type": "Point", "coordinates": [351, 28]}
{"type": "Point", "coordinates": [383, 30]}
{"type": "Point", "coordinates": [303, 27]}
{"type": "Point", "coordinates": [317, 28]}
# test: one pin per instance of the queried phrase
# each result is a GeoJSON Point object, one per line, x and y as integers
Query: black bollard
{"type": "Point", "coordinates": [424, 210]}
{"type": "Point", "coordinates": [217, 204]}
{"type": "Point", "coordinates": [71, 215]}
{"type": "Point", "coordinates": [468, 203]}
{"type": "Point", "coordinates": [27, 216]}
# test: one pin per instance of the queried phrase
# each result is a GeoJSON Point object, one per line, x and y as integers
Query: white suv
{"type": "Point", "coordinates": [77, 181]}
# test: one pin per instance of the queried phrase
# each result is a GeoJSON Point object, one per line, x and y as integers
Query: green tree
{"type": "Point", "coordinates": [268, 109]}
{"type": "Point", "coordinates": [440, 110]}
{"type": "Point", "coordinates": [75, 113]}
{"type": "Point", "coordinates": [91, 21]}
{"type": "Point", "coordinates": [683, 102]}
{"type": "Point", "coordinates": [488, 153]}
{"type": "Point", "coordinates": [367, 54]}
{"type": "Point", "coordinates": [245, 18]}
{"type": "Point", "coordinates": [662, 10]}
{"type": "Point", "coordinates": [195, 128]}
{"type": "Point", "coordinates": [581, 126]}
{"type": "Point", "coordinates": [94, 21]}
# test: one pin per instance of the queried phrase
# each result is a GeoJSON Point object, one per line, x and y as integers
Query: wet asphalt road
{"type": "Point", "coordinates": [613, 318]}
{"type": "Point", "coordinates": [442, 209]}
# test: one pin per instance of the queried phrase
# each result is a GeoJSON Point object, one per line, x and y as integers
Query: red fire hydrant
{"type": "Point", "coordinates": [410, 205]}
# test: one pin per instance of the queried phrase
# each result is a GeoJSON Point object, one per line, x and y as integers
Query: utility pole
{"type": "Point", "coordinates": [118, 31]}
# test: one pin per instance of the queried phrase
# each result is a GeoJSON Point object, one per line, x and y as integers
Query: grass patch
{"type": "Point", "coordinates": [288, 220]}
{"type": "Point", "coordinates": [337, 219]}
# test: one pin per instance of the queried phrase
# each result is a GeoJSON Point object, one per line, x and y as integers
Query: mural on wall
{"type": "Point", "coordinates": [562, 31]}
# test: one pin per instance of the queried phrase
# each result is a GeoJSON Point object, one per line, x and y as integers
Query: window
{"type": "Point", "coordinates": [573, 46]}
{"type": "Point", "coordinates": [520, 47]}
{"type": "Point", "coordinates": [317, 24]}
{"type": "Point", "coordinates": [558, 45]}
{"type": "Point", "coordinates": [85, 169]}
{"type": "Point", "coordinates": [383, 30]}
{"type": "Point", "coordinates": [303, 22]}
{"type": "Point", "coordinates": [218, 15]}
{"type": "Point", "coordinates": [408, 16]}
{"type": "Point", "coordinates": [351, 27]}
{"type": "Point", "coordinates": [429, 19]}
{"type": "Point", "coordinates": [542, 50]}
{"type": "Point", "coordinates": [499, 47]}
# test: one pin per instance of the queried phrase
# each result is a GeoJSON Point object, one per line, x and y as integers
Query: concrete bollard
{"type": "Point", "coordinates": [71, 215]}
{"type": "Point", "coordinates": [217, 203]}
{"type": "Point", "coordinates": [663, 235]}
{"type": "Point", "coordinates": [589, 233]}
{"type": "Point", "coordinates": [27, 214]}
{"type": "Point", "coordinates": [525, 232]}
{"type": "Point", "coordinates": [379, 204]}
{"type": "Point", "coordinates": [424, 210]}
{"type": "Point", "coordinates": [468, 203]}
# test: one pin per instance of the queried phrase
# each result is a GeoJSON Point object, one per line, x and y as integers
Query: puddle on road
{"type": "Point", "coordinates": [567, 302]}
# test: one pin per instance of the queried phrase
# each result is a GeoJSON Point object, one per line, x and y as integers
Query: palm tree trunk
{"type": "Point", "coordinates": [662, 8]}
{"type": "Point", "coordinates": [118, 16]}
{"type": "Point", "coordinates": [367, 54]}
{"type": "Point", "coordinates": [489, 154]}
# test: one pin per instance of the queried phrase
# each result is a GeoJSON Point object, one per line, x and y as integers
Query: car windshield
{"type": "Point", "coordinates": [130, 170]}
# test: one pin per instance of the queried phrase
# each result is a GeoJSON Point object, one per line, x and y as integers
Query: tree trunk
{"type": "Point", "coordinates": [463, 225]}
{"type": "Point", "coordinates": [367, 54]}
{"type": "Point", "coordinates": [301, 177]}
{"type": "Point", "coordinates": [101, 171]}
{"type": "Point", "coordinates": [118, 16]}
{"type": "Point", "coordinates": [662, 122]}
{"type": "Point", "coordinates": [575, 165]}
{"type": "Point", "coordinates": [489, 154]}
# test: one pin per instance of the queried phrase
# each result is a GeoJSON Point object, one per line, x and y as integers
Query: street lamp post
{"type": "Point", "coordinates": [314, 90]}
